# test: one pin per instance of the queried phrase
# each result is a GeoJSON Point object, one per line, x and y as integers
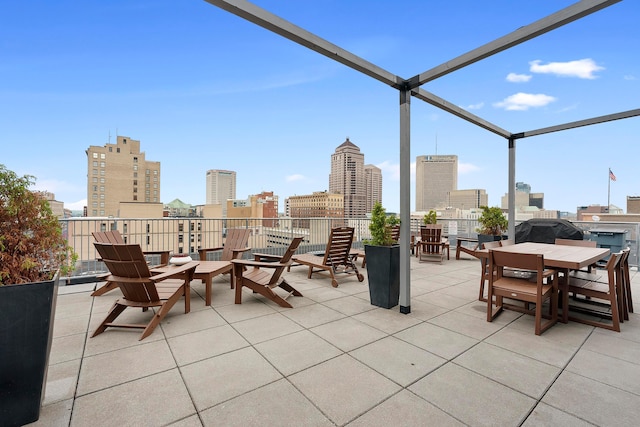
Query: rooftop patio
{"type": "Point", "coordinates": [334, 359]}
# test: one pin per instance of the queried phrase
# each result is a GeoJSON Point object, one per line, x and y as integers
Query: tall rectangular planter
{"type": "Point", "coordinates": [383, 271]}
{"type": "Point", "coordinates": [26, 329]}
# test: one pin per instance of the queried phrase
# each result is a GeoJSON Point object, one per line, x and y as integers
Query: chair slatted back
{"type": "Point", "coordinates": [431, 238]}
{"type": "Point", "coordinates": [498, 260]}
{"type": "Point", "coordinates": [112, 236]}
{"type": "Point", "coordinates": [491, 244]}
{"type": "Point", "coordinates": [127, 263]}
{"type": "Point", "coordinates": [237, 238]}
{"type": "Point", "coordinates": [339, 246]}
{"type": "Point", "coordinates": [285, 260]}
{"type": "Point", "coordinates": [395, 233]}
{"type": "Point", "coordinates": [572, 242]}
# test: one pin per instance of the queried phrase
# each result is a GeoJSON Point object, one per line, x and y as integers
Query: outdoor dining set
{"type": "Point", "coordinates": [568, 280]}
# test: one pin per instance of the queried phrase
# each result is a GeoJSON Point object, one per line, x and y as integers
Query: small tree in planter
{"type": "Point", "coordinates": [383, 259]}
{"type": "Point", "coordinates": [493, 224]}
{"type": "Point", "coordinates": [430, 217]}
{"type": "Point", "coordinates": [33, 251]}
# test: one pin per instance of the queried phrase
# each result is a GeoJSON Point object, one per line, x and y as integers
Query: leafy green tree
{"type": "Point", "coordinates": [32, 247]}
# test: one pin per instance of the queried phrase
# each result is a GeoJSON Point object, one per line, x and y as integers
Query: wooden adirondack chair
{"type": "Point", "coordinates": [235, 245]}
{"type": "Point", "coordinates": [336, 259]}
{"type": "Point", "coordinates": [114, 237]}
{"type": "Point", "coordinates": [129, 270]}
{"type": "Point", "coordinates": [431, 245]}
{"type": "Point", "coordinates": [262, 281]}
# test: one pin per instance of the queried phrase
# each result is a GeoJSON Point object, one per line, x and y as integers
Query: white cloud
{"type": "Point", "coordinates": [523, 101]}
{"type": "Point", "coordinates": [518, 78]}
{"type": "Point", "coordinates": [295, 177]}
{"type": "Point", "coordinates": [76, 206]}
{"type": "Point", "coordinates": [582, 68]}
{"type": "Point", "coordinates": [630, 77]}
{"type": "Point", "coordinates": [392, 170]}
{"type": "Point", "coordinates": [467, 168]}
{"type": "Point", "coordinates": [477, 106]}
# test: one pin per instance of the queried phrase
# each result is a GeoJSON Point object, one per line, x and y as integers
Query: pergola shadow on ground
{"type": "Point", "coordinates": [412, 87]}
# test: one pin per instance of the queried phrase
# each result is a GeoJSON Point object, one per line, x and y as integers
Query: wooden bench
{"type": "Point", "coordinates": [466, 249]}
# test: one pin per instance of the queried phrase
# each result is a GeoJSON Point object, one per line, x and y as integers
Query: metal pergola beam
{"type": "Point", "coordinates": [445, 105]}
{"type": "Point", "coordinates": [522, 34]}
{"type": "Point", "coordinates": [579, 123]}
{"type": "Point", "coordinates": [286, 29]}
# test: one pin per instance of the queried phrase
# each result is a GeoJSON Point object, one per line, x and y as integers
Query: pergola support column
{"type": "Point", "coordinates": [512, 189]}
{"type": "Point", "coordinates": [405, 200]}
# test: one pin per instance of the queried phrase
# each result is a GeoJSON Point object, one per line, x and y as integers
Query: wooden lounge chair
{"type": "Point", "coordinates": [431, 245]}
{"type": "Point", "coordinates": [235, 245]}
{"type": "Point", "coordinates": [336, 259]}
{"type": "Point", "coordinates": [260, 280]}
{"type": "Point", "coordinates": [522, 289]}
{"type": "Point", "coordinates": [114, 237]}
{"type": "Point", "coordinates": [129, 270]}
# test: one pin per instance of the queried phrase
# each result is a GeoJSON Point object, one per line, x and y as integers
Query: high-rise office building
{"type": "Point", "coordinates": [221, 186]}
{"type": "Point", "coordinates": [347, 178]}
{"type": "Point", "coordinates": [436, 177]}
{"type": "Point", "coordinates": [120, 173]}
{"type": "Point", "coordinates": [373, 186]}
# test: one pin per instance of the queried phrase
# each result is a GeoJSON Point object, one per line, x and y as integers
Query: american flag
{"type": "Point", "coordinates": [611, 175]}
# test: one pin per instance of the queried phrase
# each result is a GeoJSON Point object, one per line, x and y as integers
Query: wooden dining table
{"type": "Point", "coordinates": [562, 258]}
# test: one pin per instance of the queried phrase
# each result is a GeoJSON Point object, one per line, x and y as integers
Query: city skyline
{"type": "Point", "coordinates": [170, 76]}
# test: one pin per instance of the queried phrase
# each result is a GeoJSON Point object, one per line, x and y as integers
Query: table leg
{"type": "Point", "coordinates": [563, 286]}
{"type": "Point", "coordinates": [207, 289]}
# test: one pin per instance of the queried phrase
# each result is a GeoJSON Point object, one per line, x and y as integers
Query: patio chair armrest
{"type": "Point", "coordinates": [164, 256]}
{"type": "Point", "coordinates": [548, 272]}
{"type": "Point", "coordinates": [237, 253]}
{"type": "Point", "coordinates": [266, 257]}
{"type": "Point", "coordinates": [203, 252]}
{"type": "Point", "coordinates": [261, 264]}
{"type": "Point", "coordinates": [175, 271]}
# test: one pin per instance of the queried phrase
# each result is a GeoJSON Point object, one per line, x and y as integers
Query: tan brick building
{"type": "Point", "coordinates": [120, 173]}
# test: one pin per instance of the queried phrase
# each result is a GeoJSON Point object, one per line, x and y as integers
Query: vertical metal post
{"type": "Point", "coordinates": [512, 189]}
{"type": "Point", "coordinates": [405, 200]}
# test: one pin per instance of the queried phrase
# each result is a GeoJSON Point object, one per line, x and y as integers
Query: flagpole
{"type": "Point", "coordinates": [608, 190]}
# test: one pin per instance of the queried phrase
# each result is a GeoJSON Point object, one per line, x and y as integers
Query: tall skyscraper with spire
{"type": "Point", "coordinates": [347, 177]}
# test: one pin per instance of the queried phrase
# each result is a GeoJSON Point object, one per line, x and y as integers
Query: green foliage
{"type": "Point", "coordinates": [430, 217]}
{"type": "Point", "coordinates": [380, 226]}
{"type": "Point", "coordinates": [32, 247]}
{"type": "Point", "coordinates": [492, 221]}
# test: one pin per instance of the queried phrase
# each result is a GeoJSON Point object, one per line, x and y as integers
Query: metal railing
{"type": "Point", "coordinates": [187, 235]}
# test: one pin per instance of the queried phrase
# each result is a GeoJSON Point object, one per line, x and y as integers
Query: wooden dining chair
{"type": "Point", "coordinates": [484, 265]}
{"type": "Point", "coordinates": [626, 281]}
{"type": "Point", "coordinates": [543, 289]}
{"type": "Point", "coordinates": [605, 292]}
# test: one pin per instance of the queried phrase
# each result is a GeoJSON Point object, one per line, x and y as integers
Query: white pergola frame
{"type": "Point", "coordinates": [411, 87]}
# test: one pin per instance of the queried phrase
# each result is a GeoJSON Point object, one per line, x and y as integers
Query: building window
{"type": "Point", "coordinates": [135, 198]}
{"type": "Point", "coordinates": [102, 155]}
{"type": "Point", "coordinates": [135, 174]}
{"type": "Point", "coordinates": [95, 155]}
{"type": "Point", "coordinates": [180, 238]}
{"type": "Point", "coordinates": [102, 188]}
{"type": "Point", "coordinates": [148, 171]}
{"type": "Point", "coordinates": [102, 204]}
{"type": "Point", "coordinates": [101, 213]}
{"type": "Point", "coordinates": [148, 227]}
{"type": "Point", "coordinates": [135, 182]}
{"type": "Point", "coordinates": [135, 160]}
{"type": "Point", "coordinates": [135, 167]}
{"type": "Point", "coordinates": [101, 180]}
{"type": "Point", "coordinates": [102, 196]}
{"type": "Point", "coordinates": [148, 239]}
{"type": "Point", "coordinates": [95, 171]}
{"type": "Point", "coordinates": [124, 227]}
{"type": "Point", "coordinates": [94, 212]}
{"type": "Point", "coordinates": [102, 164]}
{"type": "Point", "coordinates": [118, 150]}
{"type": "Point", "coordinates": [135, 189]}
{"type": "Point", "coordinates": [155, 172]}
{"type": "Point", "coordinates": [95, 179]}
{"type": "Point", "coordinates": [110, 149]}
{"type": "Point", "coordinates": [181, 227]}
{"type": "Point", "coordinates": [95, 188]}
{"type": "Point", "coordinates": [103, 227]}
{"type": "Point", "coordinates": [94, 195]}
{"type": "Point", "coordinates": [95, 164]}
{"type": "Point", "coordinates": [102, 172]}
{"type": "Point", "coordinates": [94, 204]}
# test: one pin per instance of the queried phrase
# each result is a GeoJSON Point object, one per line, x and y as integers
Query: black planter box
{"type": "Point", "coordinates": [26, 329]}
{"type": "Point", "coordinates": [383, 271]}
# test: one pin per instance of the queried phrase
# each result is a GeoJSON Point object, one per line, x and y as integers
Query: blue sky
{"type": "Point", "coordinates": [203, 89]}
